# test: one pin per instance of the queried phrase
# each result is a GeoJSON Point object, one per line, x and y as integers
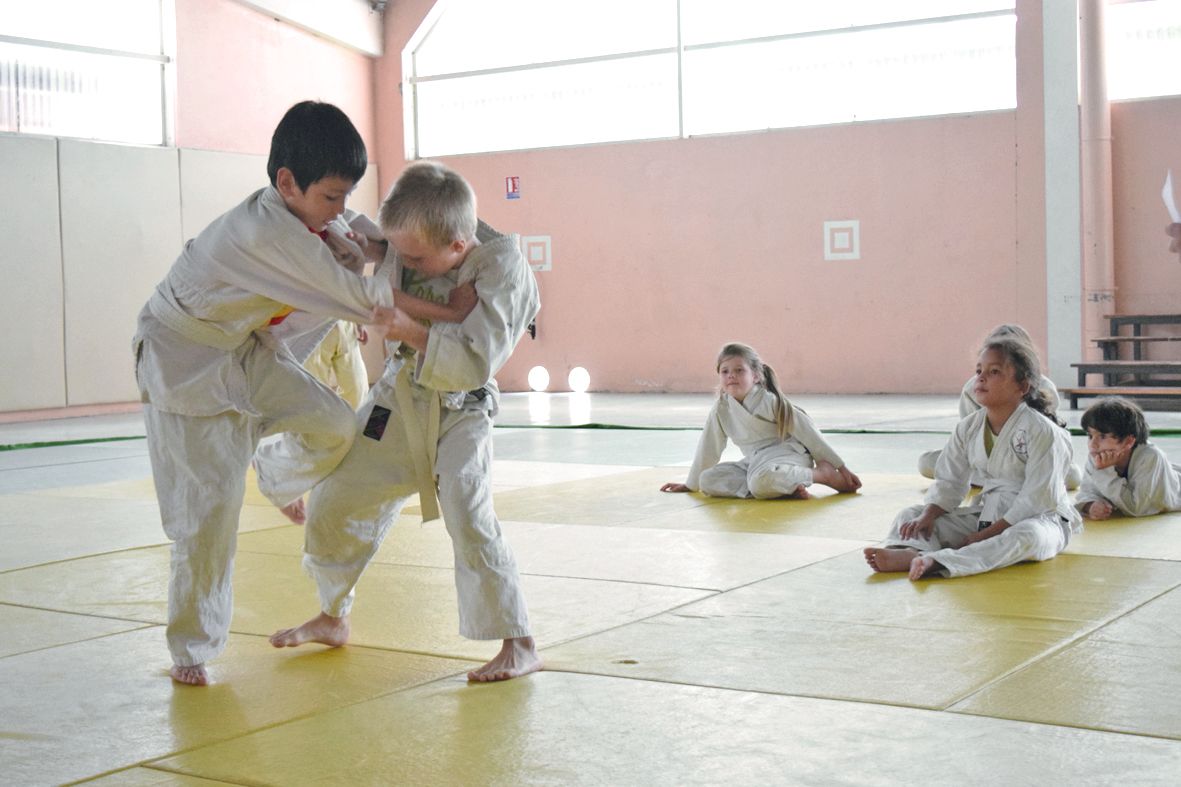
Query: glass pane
{"type": "Point", "coordinates": [478, 34]}
{"type": "Point", "coordinates": [72, 94]}
{"type": "Point", "coordinates": [630, 98]}
{"type": "Point", "coordinates": [1144, 49]}
{"type": "Point", "coordinates": [125, 25]}
{"type": "Point", "coordinates": [706, 21]}
{"type": "Point", "coordinates": [7, 92]}
{"type": "Point", "coordinates": [926, 69]}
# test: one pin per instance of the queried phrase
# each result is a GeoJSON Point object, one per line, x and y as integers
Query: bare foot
{"type": "Point", "coordinates": [801, 493]}
{"type": "Point", "coordinates": [882, 559]}
{"type": "Point", "coordinates": [193, 676]}
{"type": "Point", "coordinates": [517, 657]}
{"type": "Point", "coordinates": [296, 511]}
{"type": "Point", "coordinates": [920, 567]}
{"type": "Point", "coordinates": [323, 628]}
{"type": "Point", "coordinates": [826, 473]}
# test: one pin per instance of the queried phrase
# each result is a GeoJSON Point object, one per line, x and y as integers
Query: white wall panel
{"type": "Point", "coordinates": [32, 352]}
{"type": "Point", "coordinates": [212, 182]}
{"type": "Point", "coordinates": [120, 208]}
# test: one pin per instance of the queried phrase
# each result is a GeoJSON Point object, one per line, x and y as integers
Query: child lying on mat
{"type": "Point", "coordinates": [1126, 475]}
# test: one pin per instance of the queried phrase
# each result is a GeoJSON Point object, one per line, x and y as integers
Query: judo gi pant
{"type": "Point", "coordinates": [351, 511]}
{"type": "Point", "coordinates": [1037, 538]}
{"type": "Point", "coordinates": [199, 466]}
{"type": "Point", "coordinates": [928, 460]}
{"type": "Point", "coordinates": [770, 473]}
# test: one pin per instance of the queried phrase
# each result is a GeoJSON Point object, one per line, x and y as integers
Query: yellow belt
{"type": "Point", "coordinates": [424, 448]}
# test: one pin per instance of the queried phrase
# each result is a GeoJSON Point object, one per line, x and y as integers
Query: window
{"type": "Point", "coordinates": [1144, 48]}
{"type": "Point", "coordinates": [507, 74]}
{"type": "Point", "coordinates": [77, 68]}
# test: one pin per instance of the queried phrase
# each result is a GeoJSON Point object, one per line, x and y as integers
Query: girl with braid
{"type": "Point", "coordinates": [783, 452]}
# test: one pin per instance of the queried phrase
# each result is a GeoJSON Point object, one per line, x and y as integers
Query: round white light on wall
{"type": "Point", "coordinates": [579, 380]}
{"type": "Point", "coordinates": [538, 378]}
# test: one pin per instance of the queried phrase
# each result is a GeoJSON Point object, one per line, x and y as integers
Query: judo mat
{"type": "Point", "coordinates": [687, 640]}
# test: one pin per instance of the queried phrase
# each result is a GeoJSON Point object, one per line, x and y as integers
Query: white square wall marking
{"type": "Point", "coordinates": [536, 249]}
{"type": "Point", "coordinates": [842, 240]}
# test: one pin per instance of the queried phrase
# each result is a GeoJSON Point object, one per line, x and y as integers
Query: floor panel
{"type": "Point", "coordinates": [87, 708]}
{"type": "Point", "coordinates": [712, 561]}
{"type": "Point", "coordinates": [835, 630]}
{"type": "Point", "coordinates": [572, 729]}
{"type": "Point", "coordinates": [401, 607]}
{"type": "Point", "coordinates": [689, 640]}
{"type": "Point", "coordinates": [1150, 537]}
{"type": "Point", "coordinates": [1125, 677]}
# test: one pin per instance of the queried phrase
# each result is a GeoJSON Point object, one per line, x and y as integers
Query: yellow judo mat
{"type": "Point", "coordinates": [687, 640]}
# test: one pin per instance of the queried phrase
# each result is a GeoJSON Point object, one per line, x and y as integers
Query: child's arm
{"type": "Point", "coordinates": [1090, 501]}
{"type": "Point", "coordinates": [460, 304]}
{"type": "Point", "coordinates": [1148, 488]}
{"type": "Point", "coordinates": [709, 451]}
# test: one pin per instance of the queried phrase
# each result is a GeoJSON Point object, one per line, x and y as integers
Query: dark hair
{"type": "Point", "coordinates": [315, 140]}
{"type": "Point", "coordinates": [1117, 416]}
{"type": "Point", "coordinates": [1027, 369]}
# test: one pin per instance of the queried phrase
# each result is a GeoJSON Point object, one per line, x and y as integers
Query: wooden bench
{"type": "Point", "coordinates": [1137, 321]}
{"type": "Point", "coordinates": [1130, 392]}
{"type": "Point", "coordinates": [1111, 345]}
{"type": "Point", "coordinates": [1139, 371]}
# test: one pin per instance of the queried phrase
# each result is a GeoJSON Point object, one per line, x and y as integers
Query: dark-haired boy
{"type": "Point", "coordinates": [214, 381]}
{"type": "Point", "coordinates": [1125, 474]}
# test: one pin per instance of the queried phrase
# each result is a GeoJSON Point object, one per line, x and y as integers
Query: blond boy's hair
{"type": "Point", "coordinates": [433, 201]}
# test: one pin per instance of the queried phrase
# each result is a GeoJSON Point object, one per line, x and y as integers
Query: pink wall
{"type": "Point", "coordinates": [1145, 146]}
{"type": "Point", "coordinates": [238, 71]}
{"type": "Point", "coordinates": [664, 250]}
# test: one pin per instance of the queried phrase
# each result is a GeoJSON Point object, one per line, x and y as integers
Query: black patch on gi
{"type": "Point", "coordinates": [375, 426]}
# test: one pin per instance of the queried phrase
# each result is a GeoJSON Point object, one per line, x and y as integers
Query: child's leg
{"type": "Point", "coordinates": [725, 479]}
{"type": "Point", "coordinates": [349, 367]}
{"type": "Point", "coordinates": [491, 604]}
{"type": "Point", "coordinates": [768, 480]}
{"type": "Point", "coordinates": [199, 467]}
{"type": "Point", "coordinates": [896, 552]}
{"type": "Point", "coordinates": [927, 462]}
{"type": "Point", "coordinates": [349, 514]}
{"type": "Point", "coordinates": [1038, 538]}
{"type": "Point", "coordinates": [316, 426]}
{"type": "Point", "coordinates": [488, 585]}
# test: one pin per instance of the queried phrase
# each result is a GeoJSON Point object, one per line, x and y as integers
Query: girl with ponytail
{"type": "Point", "coordinates": [783, 452]}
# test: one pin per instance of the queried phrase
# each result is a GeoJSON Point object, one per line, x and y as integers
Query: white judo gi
{"type": "Point", "coordinates": [1152, 485]}
{"type": "Point", "coordinates": [771, 466]}
{"type": "Point", "coordinates": [969, 405]}
{"type": "Point", "coordinates": [1023, 483]}
{"type": "Point", "coordinates": [445, 406]}
{"type": "Point", "coordinates": [214, 382]}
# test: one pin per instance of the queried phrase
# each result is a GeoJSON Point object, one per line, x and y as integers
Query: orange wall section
{"type": "Point", "coordinates": [1145, 146]}
{"type": "Point", "coordinates": [238, 71]}
{"type": "Point", "coordinates": [663, 251]}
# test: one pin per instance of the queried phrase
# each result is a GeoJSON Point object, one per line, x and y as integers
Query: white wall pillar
{"type": "Point", "coordinates": [1098, 244]}
{"type": "Point", "coordinates": [1064, 322]}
